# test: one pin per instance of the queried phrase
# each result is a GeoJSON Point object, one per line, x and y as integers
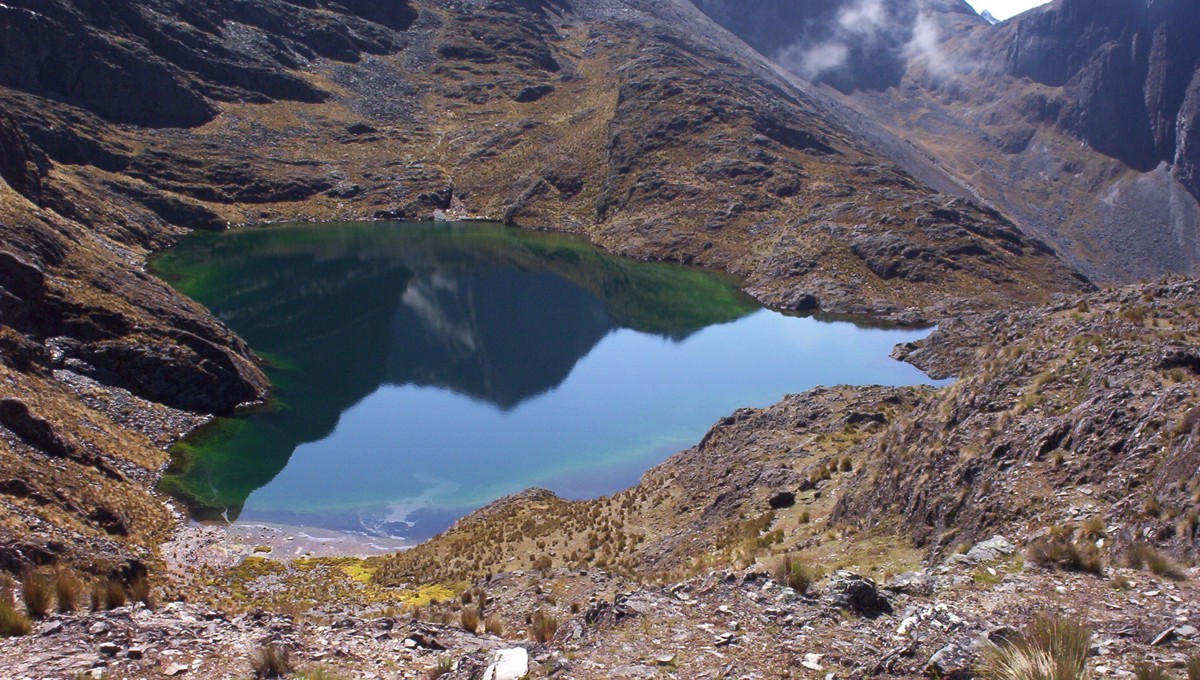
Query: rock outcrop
{"type": "Point", "coordinates": [1077, 120]}
{"type": "Point", "coordinates": [1130, 73]}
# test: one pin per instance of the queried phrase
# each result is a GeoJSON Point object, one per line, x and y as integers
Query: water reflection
{"type": "Point", "coordinates": [423, 370]}
{"type": "Point", "coordinates": [339, 310]}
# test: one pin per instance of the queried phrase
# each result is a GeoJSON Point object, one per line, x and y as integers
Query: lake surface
{"type": "Point", "coordinates": [423, 370]}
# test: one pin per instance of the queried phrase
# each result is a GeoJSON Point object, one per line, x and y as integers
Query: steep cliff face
{"type": "Point", "coordinates": [22, 166]}
{"type": "Point", "coordinates": [1129, 71]}
{"type": "Point", "coordinates": [1077, 120]}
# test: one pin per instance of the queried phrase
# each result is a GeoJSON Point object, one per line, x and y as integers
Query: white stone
{"type": "Point", "coordinates": [508, 664]}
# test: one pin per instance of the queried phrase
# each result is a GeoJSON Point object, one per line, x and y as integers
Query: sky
{"type": "Point", "coordinates": [1003, 9]}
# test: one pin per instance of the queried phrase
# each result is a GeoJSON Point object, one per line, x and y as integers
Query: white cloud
{"type": "Point", "coordinates": [1003, 9]}
{"type": "Point", "coordinates": [863, 18]}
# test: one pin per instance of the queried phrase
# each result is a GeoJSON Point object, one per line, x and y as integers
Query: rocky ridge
{"type": "Point", "coordinates": [1075, 120]}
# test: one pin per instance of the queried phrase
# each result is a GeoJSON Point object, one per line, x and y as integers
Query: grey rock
{"type": "Point", "coordinates": [1164, 638]}
{"type": "Point", "coordinates": [854, 593]}
{"type": "Point", "coordinates": [110, 649]}
{"type": "Point", "coordinates": [911, 583]}
{"type": "Point", "coordinates": [508, 664]}
{"type": "Point", "coordinates": [986, 551]}
{"type": "Point", "coordinates": [951, 661]}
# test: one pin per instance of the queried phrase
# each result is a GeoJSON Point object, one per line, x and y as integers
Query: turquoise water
{"type": "Point", "coordinates": [423, 370]}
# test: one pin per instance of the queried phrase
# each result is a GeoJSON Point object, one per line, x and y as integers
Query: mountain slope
{"type": "Point", "coordinates": [1076, 120]}
{"type": "Point", "coordinates": [640, 124]}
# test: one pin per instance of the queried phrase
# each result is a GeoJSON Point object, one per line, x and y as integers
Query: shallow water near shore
{"type": "Point", "coordinates": [423, 370]}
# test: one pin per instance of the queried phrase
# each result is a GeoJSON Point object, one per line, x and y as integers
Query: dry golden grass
{"type": "Point", "coordinates": [1051, 648]}
{"type": "Point", "coordinates": [13, 623]}
{"type": "Point", "coordinates": [543, 626]}
{"type": "Point", "coordinates": [272, 661]}
{"type": "Point", "coordinates": [1146, 556]}
{"type": "Point", "coordinates": [66, 591]}
{"type": "Point", "coordinates": [37, 594]}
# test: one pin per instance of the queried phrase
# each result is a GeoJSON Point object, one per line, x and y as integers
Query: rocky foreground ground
{"type": "Point", "coordinates": [722, 624]}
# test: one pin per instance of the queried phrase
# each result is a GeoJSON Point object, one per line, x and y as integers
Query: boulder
{"type": "Point", "coordinates": [986, 551]}
{"type": "Point", "coordinates": [852, 592]}
{"type": "Point", "coordinates": [783, 499]}
{"type": "Point", "coordinates": [508, 664]}
{"type": "Point", "coordinates": [911, 583]}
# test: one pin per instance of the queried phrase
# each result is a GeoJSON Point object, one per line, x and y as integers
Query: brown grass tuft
{"type": "Point", "coordinates": [139, 590]}
{"type": "Point", "coordinates": [13, 622]}
{"type": "Point", "coordinates": [272, 661]}
{"type": "Point", "coordinates": [468, 618]}
{"type": "Point", "coordinates": [108, 595]}
{"type": "Point", "coordinates": [1146, 556]}
{"type": "Point", "coordinates": [1052, 648]}
{"type": "Point", "coordinates": [793, 573]}
{"type": "Point", "coordinates": [66, 591]}
{"type": "Point", "coordinates": [1061, 553]}
{"type": "Point", "coordinates": [494, 625]}
{"type": "Point", "coordinates": [544, 626]}
{"type": "Point", "coordinates": [35, 590]}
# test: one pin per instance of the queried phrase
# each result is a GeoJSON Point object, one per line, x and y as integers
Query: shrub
{"type": "Point", "coordinates": [793, 573]}
{"type": "Point", "coordinates": [1061, 553]}
{"type": "Point", "coordinates": [1193, 668]}
{"type": "Point", "coordinates": [469, 619]}
{"type": "Point", "coordinates": [112, 594]}
{"type": "Point", "coordinates": [36, 592]}
{"type": "Point", "coordinates": [544, 626]}
{"type": "Point", "coordinates": [1145, 556]}
{"type": "Point", "coordinates": [1150, 671]}
{"type": "Point", "coordinates": [1053, 648]}
{"type": "Point", "coordinates": [66, 591]}
{"type": "Point", "coordinates": [444, 666]}
{"type": "Point", "coordinates": [494, 625]}
{"type": "Point", "coordinates": [12, 621]}
{"type": "Point", "coordinates": [140, 591]}
{"type": "Point", "coordinates": [272, 661]}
